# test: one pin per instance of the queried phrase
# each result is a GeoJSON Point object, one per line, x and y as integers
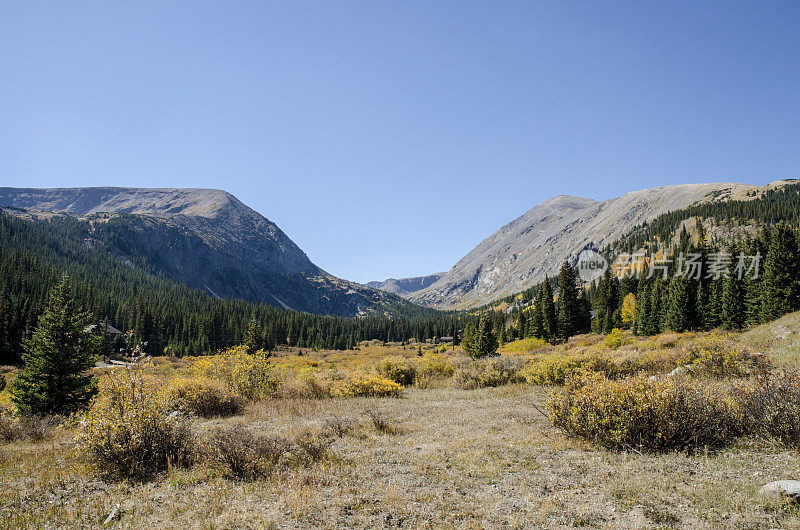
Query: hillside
{"type": "Point", "coordinates": [405, 286]}
{"type": "Point", "coordinates": [522, 252]}
{"type": "Point", "coordinates": [205, 239]}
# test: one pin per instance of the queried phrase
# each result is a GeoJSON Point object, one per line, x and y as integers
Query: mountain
{"type": "Point", "coordinates": [405, 286]}
{"type": "Point", "coordinates": [204, 239]}
{"type": "Point", "coordinates": [519, 254]}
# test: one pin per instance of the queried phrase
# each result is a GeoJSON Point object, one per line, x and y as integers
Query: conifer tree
{"type": "Point", "coordinates": [55, 376]}
{"type": "Point", "coordinates": [610, 302]}
{"type": "Point", "coordinates": [253, 340]}
{"type": "Point", "coordinates": [679, 309]}
{"type": "Point", "coordinates": [548, 309]}
{"type": "Point", "coordinates": [641, 320]}
{"type": "Point", "coordinates": [569, 307]}
{"type": "Point", "coordinates": [536, 325]}
{"type": "Point", "coordinates": [585, 317]}
{"type": "Point", "coordinates": [483, 341]}
{"type": "Point", "coordinates": [780, 288]}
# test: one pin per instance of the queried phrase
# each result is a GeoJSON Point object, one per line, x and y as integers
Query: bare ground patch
{"type": "Point", "coordinates": [448, 458]}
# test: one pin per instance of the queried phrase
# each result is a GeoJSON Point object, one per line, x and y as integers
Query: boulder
{"type": "Point", "coordinates": [781, 490]}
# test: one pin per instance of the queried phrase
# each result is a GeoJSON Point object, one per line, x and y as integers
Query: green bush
{"type": "Point", "coordinates": [654, 415]}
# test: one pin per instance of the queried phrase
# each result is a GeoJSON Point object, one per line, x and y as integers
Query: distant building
{"type": "Point", "coordinates": [446, 339]}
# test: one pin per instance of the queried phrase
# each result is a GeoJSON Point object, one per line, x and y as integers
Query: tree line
{"type": "Point", "coordinates": [163, 315]}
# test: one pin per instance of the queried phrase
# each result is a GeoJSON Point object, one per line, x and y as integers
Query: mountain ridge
{"type": "Point", "coordinates": [205, 238]}
{"type": "Point", "coordinates": [520, 253]}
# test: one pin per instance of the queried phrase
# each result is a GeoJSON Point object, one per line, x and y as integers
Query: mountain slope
{"type": "Point", "coordinates": [519, 254]}
{"type": "Point", "coordinates": [405, 286]}
{"type": "Point", "coordinates": [205, 239]}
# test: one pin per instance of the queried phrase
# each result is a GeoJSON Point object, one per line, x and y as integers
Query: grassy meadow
{"type": "Point", "coordinates": [593, 433]}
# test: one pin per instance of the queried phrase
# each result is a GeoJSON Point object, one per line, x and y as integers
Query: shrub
{"type": "Point", "coordinates": [720, 357]}
{"type": "Point", "coordinates": [249, 375]}
{"type": "Point", "coordinates": [525, 345]}
{"type": "Point", "coordinates": [648, 361]}
{"type": "Point", "coordinates": [25, 426]}
{"type": "Point", "coordinates": [204, 397]}
{"type": "Point", "coordinates": [488, 373]}
{"type": "Point", "coordinates": [367, 385]}
{"type": "Point", "coordinates": [773, 407]}
{"type": "Point", "coordinates": [248, 455]}
{"type": "Point", "coordinates": [131, 429]}
{"type": "Point", "coordinates": [556, 368]}
{"type": "Point", "coordinates": [308, 383]}
{"type": "Point", "coordinates": [615, 339]}
{"type": "Point", "coordinates": [433, 367]}
{"type": "Point", "coordinates": [7, 432]}
{"type": "Point", "coordinates": [379, 421]}
{"type": "Point", "coordinates": [654, 415]}
{"type": "Point", "coordinates": [397, 368]}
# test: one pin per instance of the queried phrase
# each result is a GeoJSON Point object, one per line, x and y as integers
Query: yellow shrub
{"type": "Point", "coordinates": [717, 355]}
{"type": "Point", "coordinates": [250, 376]}
{"type": "Point", "coordinates": [433, 368]}
{"type": "Point", "coordinates": [555, 368]}
{"type": "Point", "coordinates": [307, 383]}
{"type": "Point", "coordinates": [131, 428]}
{"type": "Point", "coordinates": [615, 339]}
{"type": "Point", "coordinates": [204, 397]}
{"type": "Point", "coordinates": [368, 385]}
{"type": "Point", "coordinates": [658, 415]}
{"type": "Point", "coordinates": [397, 368]}
{"type": "Point", "coordinates": [525, 345]}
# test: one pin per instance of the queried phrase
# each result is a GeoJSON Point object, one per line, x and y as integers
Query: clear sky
{"type": "Point", "coordinates": [388, 138]}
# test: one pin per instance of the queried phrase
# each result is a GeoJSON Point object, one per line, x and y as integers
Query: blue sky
{"type": "Point", "coordinates": [389, 138]}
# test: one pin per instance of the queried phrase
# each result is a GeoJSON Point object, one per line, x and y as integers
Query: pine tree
{"type": "Point", "coordinates": [654, 322]}
{"type": "Point", "coordinates": [569, 307]}
{"type": "Point", "coordinates": [734, 311]}
{"type": "Point", "coordinates": [679, 305]}
{"type": "Point", "coordinates": [585, 316]}
{"type": "Point", "coordinates": [54, 378]}
{"type": "Point", "coordinates": [484, 341]}
{"type": "Point", "coordinates": [610, 301]}
{"type": "Point", "coordinates": [548, 309]}
{"type": "Point", "coordinates": [733, 298]}
{"type": "Point", "coordinates": [536, 325]}
{"type": "Point", "coordinates": [781, 291]}
{"type": "Point", "coordinates": [253, 340]}
{"type": "Point", "coordinates": [641, 320]}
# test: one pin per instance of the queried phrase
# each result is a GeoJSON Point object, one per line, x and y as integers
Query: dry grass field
{"type": "Point", "coordinates": [436, 457]}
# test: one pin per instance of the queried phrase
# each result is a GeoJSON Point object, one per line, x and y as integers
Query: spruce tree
{"type": "Point", "coordinates": [781, 291]}
{"type": "Point", "coordinates": [55, 376]}
{"type": "Point", "coordinates": [253, 340]}
{"type": "Point", "coordinates": [679, 305]}
{"type": "Point", "coordinates": [548, 309]}
{"type": "Point", "coordinates": [484, 341]}
{"type": "Point", "coordinates": [611, 317]}
{"type": "Point", "coordinates": [734, 310]}
{"type": "Point", "coordinates": [569, 307]}
{"type": "Point", "coordinates": [536, 325]}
